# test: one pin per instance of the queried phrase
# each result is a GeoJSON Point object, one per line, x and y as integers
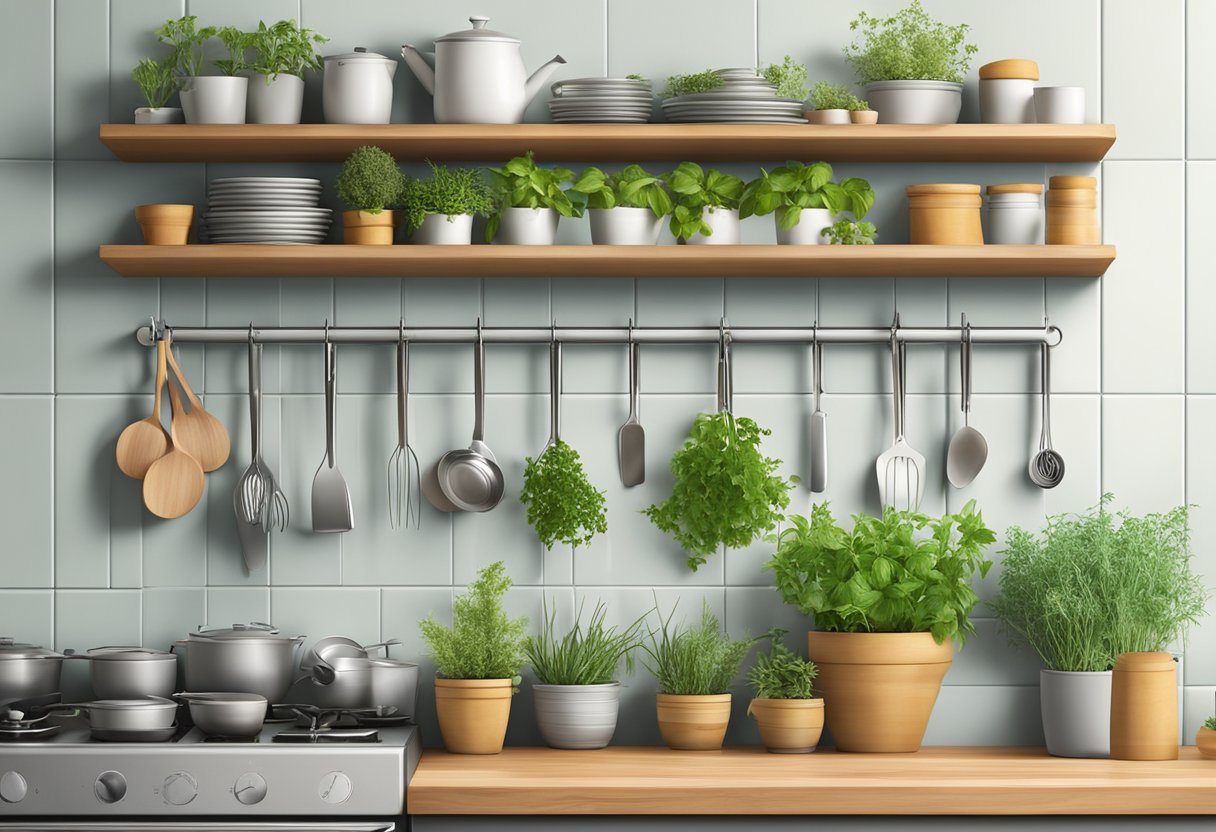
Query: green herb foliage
{"type": "Point", "coordinates": [780, 673]}
{"type": "Point", "coordinates": [695, 190]}
{"type": "Point", "coordinates": [725, 491]}
{"type": "Point", "coordinates": [697, 660]}
{"type": "Point", "coordinates": [848, 233]}
{"type": "Point", "coordinates": [827, 96]}
{"type": "Point", "coordinates": [186, 40]}
{"type": "Point", "coordinates": [562, 503]}
{"type": "Point", "coordinates": [521, 183]}
{"type": "Point", "coordinates": [909, 46]}
{"type": "Point", "coordinates": [693, 82]}
{"type": "Point", "coordinates": [1098, 584]}
{"type": "Point", "coordinates": [483, 642]}
{"type": "Point", "coordinates": [789, 77]}
{"type": "Point", "coordinates": [284, 48]}
{"type": "Point", "coordinates": [448, 191]}
{"type": "Point", "coordinates": [795, 186]}
{"type": "Point", "coordinates": [886, 576]}
{"type": "Point", "coordinates": [633, 76]}
{"type": "Point", "coordinates": [585, 655]}
{"type": "Point", "coordinates": [1210, 723]}
{"type": "Point", "coordinates": [237, 43]}
{"type": "Point", "coordinates": [370, 180]}
{"type": "Point", "coordinates": [156, 80]}
{"type": "Point", "coordinates": [633, 187]}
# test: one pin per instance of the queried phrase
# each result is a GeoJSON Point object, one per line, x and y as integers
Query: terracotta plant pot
{"type": "Point", "coordinates": [828, 116]}
{"type": "Point", "coordinates": [693, 723]}
{"type": "Point", "coordinates": [878, 689]}
{"type": "Point", "coordinates": [361, 228]}
{"type": "Point", "coordinates": [1206, 740]}
{"type": "Point", "coordinates": [945, 215]}
{"type": "Point", "coordinates": [863, 116]}
{"type": "Point", "coordinates": [1144, 707]}
{"type": "Point", "coordinates": [165, 225]}
{"type": "Point", "coordinates": [788, 726]}
{"type": "Point", "coordinates": [473, 714]}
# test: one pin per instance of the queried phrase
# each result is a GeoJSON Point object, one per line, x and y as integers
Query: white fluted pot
{"type": "Point", "coordinates": [577, 716]}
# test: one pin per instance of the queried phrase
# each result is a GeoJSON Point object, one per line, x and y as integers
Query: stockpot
{"type": "Point", "coordinates": [394, 684]}
{"type": "Point", "coordinates": [28, 671]}
{"type": "Point", "coordinates": [244, 658]}
{"type": "Point", "coordinates": [131, 672]}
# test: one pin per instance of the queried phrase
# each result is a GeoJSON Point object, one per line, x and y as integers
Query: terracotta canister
{"type": "Point", "coordinates": [693, 723]}
{"type": "Point", "coordinates": [165, 225]}
{"type": "Point", "coordinates": [1072, 211]}
{"type": "Point", "coordinates": [362, 228]}
{"type": "Point", "coordinates": [1144, 707]}
{"type": "Point", "coordinates": [1015, 214]}
{"type": "Point", "coordinates": [473, 714]}
{"type": "Point", "coordinates": [788, 726]}
{"type": "Point", "coordinates": [1007, 91]}
{"type": "Point", "coordinates": [944, 215]}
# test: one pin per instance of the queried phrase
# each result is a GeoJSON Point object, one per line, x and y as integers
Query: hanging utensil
{"type": "Point", "coordinates": [819, 422]}
{"type": "Point", "coordinates": [900, 468]}
{"type": "Point", "coordinates": [631, 438]}
{"type": "Point", "coordinates": [249, 498]}
{"type": "Point", "coordinates": [726, 380]}
{"type": "Point", "coordinates": [142, 443]}
{"type": "Point", "coordinates": [174, 483]}
{"type": "Point", "coordinates": [199, 433]}
{"type": "Point", "coordinates": [332, 512]}
{"type": "Point", "coordinates": [470, 478]}
{"type": "Point", "coordinates": [555, 395]}
{"type": "Point", "coordinates": [1047, 466]}
{"type": "Point", "coordinates": [404, 473]}
{"type": "Point", "coordinates": [968, 449]}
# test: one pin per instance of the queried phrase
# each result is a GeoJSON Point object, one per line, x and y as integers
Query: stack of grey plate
{"type": "Point", "coordinates": [617, 100]}
{"type": "Point", "coordinates": [266, 209]}
{"type": "Point", "coordinates": [744, 97]}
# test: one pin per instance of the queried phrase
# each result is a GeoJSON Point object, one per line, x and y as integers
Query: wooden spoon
{"type": "Point", "coordinates": [174, 484]}
{"type": "Point", "coordinates": [198, 432]}
{"type": "Point", "coordinates": [143, 442]}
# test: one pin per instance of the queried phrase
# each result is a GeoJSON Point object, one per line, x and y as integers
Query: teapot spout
{"type": "Point", "coordinates": [538, 78]}
{"type": "Point", "coordinates": [418, 65]}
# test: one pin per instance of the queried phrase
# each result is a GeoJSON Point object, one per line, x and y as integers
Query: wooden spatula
{"type": "Point", "coordinates": [174, 483]}
{"type": "Point", "coordinates": [143, 442]}
{"type": "Point", "coordinates": [198, 432]}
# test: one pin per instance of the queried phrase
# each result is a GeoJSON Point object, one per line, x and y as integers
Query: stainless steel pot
{"type": "Point", "coordinates": [127, 716]}
{"type": "Point", "coordinates": [394, 684]}
{"type": "Point", "coordinates": [245, 658]}
{"type": "Point", "coordinates": [226, 714]}
{"type": "Point", "coordinates": [28, 671]}
{"type": "Point", "coordinates": [351, 686]}
{"type": "Point", "coordinates": [131, 672]}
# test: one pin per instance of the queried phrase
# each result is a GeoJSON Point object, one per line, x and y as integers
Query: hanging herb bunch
{"type": "Point", "coordinates": [562, 503]}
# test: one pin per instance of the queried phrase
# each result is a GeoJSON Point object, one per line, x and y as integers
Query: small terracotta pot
{"type": "Point", "coordinates": [361, 228]}
{"type": "Point", "coordinates": [165, 225]}
{"type": "Point", "coordinates": [1144, 707]}
{"type": "Point", "coordinates": [863, 116]}
{"type": "Point", "coordinates": [473, 714]}
{"type": "Point", "coordinates": [788, 726]}
{"type": "Point", "coordinates": [944, 215]}
{"type": "Point", "coordinates": [1206, 740]}
{"type": "Point", "coordinates": [693, 723]}
{"type": "Point", "coordinates": [828, 116]}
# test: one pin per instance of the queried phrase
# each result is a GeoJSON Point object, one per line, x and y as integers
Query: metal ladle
{"type": "Point", "coordinates": [1047, 466]}
{"type": "Point", "coordinates": [968, 449]}
{"type": "Point", "coordinates": [471, 478]}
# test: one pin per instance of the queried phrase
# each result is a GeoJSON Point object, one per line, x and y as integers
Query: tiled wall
{"type": "Point", "coordinates": [84, 565]}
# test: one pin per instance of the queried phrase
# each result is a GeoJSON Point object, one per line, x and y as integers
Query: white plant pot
{"type": "Point", "coordinates": [527, 227]}
{"type": "Point", "coordinates": [159, 115]}
{"type": "Point", "coordinates": [577, 716]}
{"type": "Point", "coordinates": [1059, 105]}
{"type": "Point", "coordinates": [808, 231]}
{"type": "Point", "coordinates": [829, 116]}
{"type": "Point", "coordinates": [214, 99]}
{"type": "Point", "coordinates": [916, 102]}
{"type": "Point", "coordinates": [444, 230]}
{"type": "Point", "coordinates": [1076, 713]}
{"type": "Point", "coordinates": [724, 223]}
{"type": "Point", "coordinates": [278, 102]}
{"type": "Point", "coordinates": [622, 226]}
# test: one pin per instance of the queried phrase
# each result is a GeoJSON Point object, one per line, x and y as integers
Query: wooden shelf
{"type": "Point", "coordinates": [749, 781]}
{"type": "Point", "coordinates": [607, 261]}
{"type": "Point", "coordinates": [613, 142]}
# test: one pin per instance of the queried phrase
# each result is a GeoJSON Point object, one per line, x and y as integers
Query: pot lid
{"type": "Point", "coordinates": [479, 33]}
{"type": "Point", "coordinates": [917, 190]}
{"type": "Point", "coordinates": [1016, 188]}
{"type": "Point", "coordinates": [11, 649]}
{"type": "Point", "coordinates": [1068, 183]}
{"type": "Point", "coordinates": [1145, 663]}
{"type": "Point", "coordinates": [238, 632]}
{"type": "Point", "coordinates": [129, 654]}
{"type": "Point", "coordinates": [151, 703]}
{"type": "Point", "coordinates": [360, 54]}
{"type": "Point", "coordinates": [1010, 68]}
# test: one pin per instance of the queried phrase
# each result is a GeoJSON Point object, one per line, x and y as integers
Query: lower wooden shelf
{"type": "Point", "coordinates": [749, 781]}
{"type": "Point", "coordinates": [607, 261]}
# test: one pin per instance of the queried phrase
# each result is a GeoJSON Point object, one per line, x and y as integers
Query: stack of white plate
{"type": "Point", "coordinates": [266, 209]}
{"type": "Point", "coordinates": [744, 97]}
{"type": "Point", "coordinates": [619, 100]}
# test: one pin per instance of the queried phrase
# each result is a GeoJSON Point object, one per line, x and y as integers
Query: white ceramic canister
{"type": "Point", "coordinates": [915, 102]}
{"type": "Point", "coordinates": [1015, 214]}
{"type": "Point", "coordinates": [724, 223]}
{"type": "Point", "coordinates": [358, 88]}
{"type": "Point", "coordinates": [808, 231]}
{"type": "Point", "coordinates": [624, 226]}
{"type": "Point", "coordinates": [1059, 105]}
{"type": "Point", "coordinates": [1007, 91]}
{"type": "Point", "coordinates": [444, 230]}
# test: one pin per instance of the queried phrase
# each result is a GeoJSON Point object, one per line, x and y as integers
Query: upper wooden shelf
{"type": "Point", "coordinates": [607, 261]}
{"type": "Point", "coordinates": [613, 142]}
{"type": "Point", "coordinates": [749, 781]}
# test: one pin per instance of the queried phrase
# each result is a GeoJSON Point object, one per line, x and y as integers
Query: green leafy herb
{"type": "Point", "coordinates": [156, 80]}
{"type": "Point", "coordinates": [1210, 723]}
{"type": "Point", "coordinates": [448, 191]}
{"type": "Point", "coordinates": [483, 642]}
{"type": "Point", "coordinates": [780, 673]}
{"type": "Point", "coordinates": [795, 186]}
{"type": "Point", "coordinates": [186, 40]}
{"type": "Point", "coordinates": [695, 190]}
{"type": "Point", "coordinates": [370, 180]}
{"type": "Point", "coordinates": [848, 233]}
{"type": "Point", "coordinates": [789, 77]}
{"type": "Point", "coordinates": [1098, 584]}
{"type": "Point", "coordinates": [909, 46]}
{"type": "Point", "coordinates": [697, 660]}
{"type": "Point", "coordinates": [237, 43]}
{"type": "Point", "coordinates": [633, 76]}
{"type": "Point", "coordinates": [521, 183]}
{"type": "Point", "coordinates": [562, 503]}
{"type": "Point", "coordinates": [584, 655]}
{"type": "Point", "coordinates": [692, 82]}
{"type": "Point", "coordinates": [827, 96]}
{"type": "Point", "coordinates": [633, 187]}
{"type": "Point", "coordinates": [885, 576]}
{"type": "Point", "coordinates": [284, 48]}
{"type": "Point", "coordinates": [725, 491]}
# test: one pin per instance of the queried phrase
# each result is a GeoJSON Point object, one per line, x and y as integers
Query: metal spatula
{"type": "Point", "coordinates": [901, 469]}
{"type": "Point", "coordinates": [631, 438]}
{"type": "Point", "coordinates": [331, 507]}
{"type": "Point", "coordinates": [819, 426]}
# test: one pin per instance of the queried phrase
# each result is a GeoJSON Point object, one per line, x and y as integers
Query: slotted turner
{"type": "Point", "coordinates": [331, 507]}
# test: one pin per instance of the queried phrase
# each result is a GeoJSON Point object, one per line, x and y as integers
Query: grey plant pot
{"type": "Point", "coordinates": [1076, 713]}
{"type": "Point", "coordinates": [577, 716]}
{"type": "Point", "coordinates": [279, 101]}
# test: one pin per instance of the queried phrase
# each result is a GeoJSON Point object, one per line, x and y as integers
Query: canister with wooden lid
{"type": "Point", "coordinates": [1007, 91]}
{"type": "Point", "coordinates": [947, 214]}
{"type": "Point", "coordinates": [1144, 707]}
{"type": "Point", "coordinates": [1072, 211]}
{"type": "Point", "coordinates": [1015, 214]}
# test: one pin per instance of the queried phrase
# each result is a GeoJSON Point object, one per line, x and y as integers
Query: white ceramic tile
{"type": "Point", "coordinates": [28, 615]}
{"type": "Point", "coordinates": [1200, 63]}
{"type": "Point", "coordinates": [1125, 30]}
{"type": "Point", "coordinates": [772, 301]}
{"type": "Point", "coordinates": [26, 294]}
{"type": "Point", "coordinates": [27, 133]}
{"type": "Point", "coordinates": [1201, 494]}
{"type": "Point", "coordinates": [1142, 451]}
{"type": "Point", "coordinates": [1198, 705]}
{"type": "Point", "coordinates": [988, 658]}
{"type": "Point", "coordinates": [327, 611]}
{"type": "Point", "coordinates": [26, 497]}
{"type": "Point", "coordinates": [81, 78]}
{"type": "Point", "coordinates": [232, 605]}
{"type": "Point", "coordinates": [862, 368]}
{"type": "Point", "coordinates": [999, 368]}
{"type": "Point", "coordinates": [1075, 306]}
{"type": "Point", "coordinates": [401, 610]}
{"type": "Point", "coordinates": [723, 31]}
{"type": "Point", "coordinates": [1076, 433]}
{"type": "Point", "coordinates": [168, 614]}
{"type": "Point", "coordinates": [986, 715]}
{"type": "Point", "coordinates": [689, 368]}
{"type": "Point", "coordinates": [1200, 286]}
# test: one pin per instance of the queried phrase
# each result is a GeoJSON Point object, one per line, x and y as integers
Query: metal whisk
{"type": "Point", "coordinates": [404, 473]}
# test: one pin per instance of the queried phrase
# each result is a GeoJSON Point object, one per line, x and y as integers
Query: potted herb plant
{"type": "Point", "coordinates": [910, 65]}
{"type": "Point", "coordinates": [439, 210]}
{"type": "Point", "coordinates": [888, 601]}
{"type": "Point", "coordinates": [157, 80]}
{"type": "Point", "coordinates": [849, 233]}
{"type": "Point", "coordinates": [706, 205]}
{"type": "Point", "coordinates": [694, 666]}
{"type": "Point", "coordinates": [478, 660]}
{"type": "Point", "coordinates": [804, 200]}
{"type": "Point", "coordinates": [369, 183]}
{"type": "Point", "coordinates": [213, 99]}
{"type": "Point", "coordinates": [1205, 738]}
{"type": "Point", "coordinates": [529, 202]}
{"type": "Point", "coordinates": [283, 52]}
{"type": "Point", "coordinates": [577, 693]}
{"type": "Point", "coordinates": [691, 83]}
{"type": "Point", "coordinates": [790, 719]}
{"type": "Point", "coordinates": [789, 77]}
{"type": "Point", "coordinates": [1090, 587]}
{"type": "Point", "coordinates": [626, 208]}
{"type": "Point", "coordinates": [832, 103]}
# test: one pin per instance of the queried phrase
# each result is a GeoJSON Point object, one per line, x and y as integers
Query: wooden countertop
{"type": "Point", "coordinates": [749, 781]}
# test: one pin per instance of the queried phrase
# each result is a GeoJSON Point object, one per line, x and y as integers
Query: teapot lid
{"type": "Point", "coordinates": [478, 33]}
{"type": "Point", "coordinates": [360, 54]}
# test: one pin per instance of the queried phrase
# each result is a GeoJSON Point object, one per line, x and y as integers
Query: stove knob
{"type": "Point", "coordinates": [110, 787]}
{"type": "Point", "coordinates": [12, 787]}
{"type": "Point", "coordinates": [335, 788]}
{"type": "Point", "coordinates": [179, 788]}
{"type": "Point", "coordinates": [250, 789]}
